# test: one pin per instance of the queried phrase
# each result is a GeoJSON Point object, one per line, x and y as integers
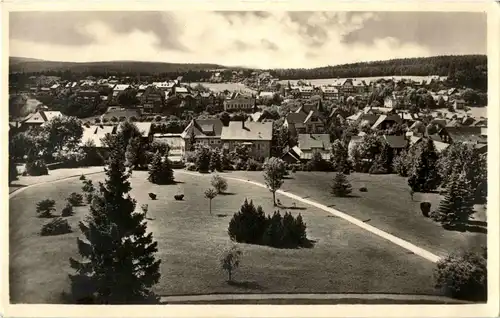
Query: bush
{"type": "Point", "coordinates": [57, 226]}
{"type": "Point", "coordinates": [463, 276]}
{"type": "Point", "coordinates": [251, 226]}
{"type": "Point", "coordinates": [219, 183]}
{"type": "Point", "coordinates": [190, 166]}
{"type": "Point", "coordinates": [67, 210]}
{"type": "Point", "coordinates": [294, 169]}
{"type": "Point", "coordinates": [75, 199]}
{"type": "Point", "coordinates": [82, 177]}
{"type": "Point", "coordinates": [240, 164]}
{"type": "Point", "coordinates": [190, 156]}
{"type": "Point", "coordinates": [376, 168]}
{"type": "Point", "coordinates": [160, 171]}
{"type": "Point", "coordinates": [45, 207]}
{"type": "Point", "coordinates": [425, 207]}
{"type": "Point", "coordinates": [363, 189]}
{"type": "Point", "coordinates": [36, 168]}
{"type": "Point", "coordinates": [253, 165]}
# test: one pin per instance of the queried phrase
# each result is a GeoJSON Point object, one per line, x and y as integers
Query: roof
{"type": "Point", "coordinates": [396, 141]}
{"type": "Point", "coordinates": [121, 87]}
{"type": "Point", "coordinates": [203, 128]}
{"type": "Point", "coordinates": [42, 116]}
{"type": "Point", "coordinates": [466, 134]}
{"type": "Point", "coordinates": [313, 114]}
{"type": "Point", "coordinates": [144, 128]}
{"type": "Point", "coordinates": [314, 141]}
{"type": "Point", "coordinates": [238, 130]}
{"type": "Point", "coordinates": [266, 94]}
{"type": "Point", "coordinates": [164, 84]}
{"type": "Point", "coordinates": [329, 89]}
{"type": "Point", "coordinates": [95, 134]}
{"type": "Point", "coordinates": [181, 90]}
{"type": "Point", "coordinates": [294, 118]}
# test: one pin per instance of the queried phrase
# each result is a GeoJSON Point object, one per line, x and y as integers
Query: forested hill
{"type": "Point", "coordinates": [23, 65]}
{"type": "Point", "coordinates": [465, 69]}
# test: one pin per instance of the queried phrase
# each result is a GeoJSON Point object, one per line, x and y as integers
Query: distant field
{"type": "Point", "coordinates": [345, 258]}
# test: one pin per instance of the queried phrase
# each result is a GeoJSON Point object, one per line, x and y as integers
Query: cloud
{"type": "Point", "coordinates": [255, 39]}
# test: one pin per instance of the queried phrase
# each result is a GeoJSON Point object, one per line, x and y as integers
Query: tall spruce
{"type": "Point", "coordinates": [161, 171]}
{"type": "Point", "coordinates": [118, 264]}
{"type": "Point", "coordinates": [424, 175]}
{"type": "Point", "coordinates": [340, 186]}
{"type": "Point", "coordinates": [340, 157]}
{"type": "Point", "coordinates": [457, 206]}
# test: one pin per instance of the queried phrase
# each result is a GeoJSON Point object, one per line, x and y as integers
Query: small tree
{"type": "Point", "coordinates": [203, 159]}
{"type": "Point", "coordinates": [424, 175]}
{"type": "Point", "coordinates": [340, 186]}
{"type": "Point", "coordinates": [45, 207]}
{"type": "Point", "coordinates": [340, 157]}
{"type": "Point", "coordinates": [274, 173]}
{"type": "Point", "coordinates": [230, 261]}
{"type": "Point", "coordinates": [215, 160]}
{"type": "Point", "coordinates": [219, 183]}
{"type": "Point", "coordinates": [75, 199]}
{"type": "Point", "coordinates": [145, 209]}
{"type": "Point", "coordinates": [88, 189]}
{"type": "Point", "coordinates": [210, 194]}
{"type": "Point", "coordinates": [67, 210]}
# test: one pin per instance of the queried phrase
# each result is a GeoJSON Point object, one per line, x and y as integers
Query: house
{"type": "Point", "coordinates": [265, 95]}
{"type": "Point", "coordinates": [206, 132]}
{"type": "Point", "coordinates": [145, 129]}
{"type": "Point", "coordinates": [439, 145]}
{"type": "Point", "coordinates": [306, 91]}
{"type": "Point", "coordinates": [301, 122]}
{"type": "Point", "coordinates": [246, 104]}
{"type": "Point", "coordinates": [390, 102]}
{"type": "Point", "coordinates": [295, 122]}
{"type": "Point", "coordinates": [119, 88]}
{"type": "Point", "coordinates": [88, 96]}
{"type": "Point", "coordinates": [468, 135]}
{"type": "Point", "coordinates": [458, 104]}
{"type": "Point", "coordinates": [387, 121]}
{"type": "Point", "coordinates": [152, 100]}
{"type": "Point", "coordinates": [94, 134]}
{"type": "Point", "coordinates": [309, 144]}
{"type": "Point", "coordinates": [256, 136]}
{"type": "Point", "coordinates": [330, 93]}
{"type": "Point", "coordinates": [40, 117]}
{"type": "Point", "coordinates": [175, 143]}
{"type": "Point", "coordinates": [164, 86]}
{"type": "Point", "coordinates": [396, 143]}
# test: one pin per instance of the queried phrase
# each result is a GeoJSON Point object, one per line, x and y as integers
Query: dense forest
{"type": "Point", "coordinates": [462, 70]}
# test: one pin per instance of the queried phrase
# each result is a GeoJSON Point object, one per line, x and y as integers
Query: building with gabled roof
{"type": "Point", "coordinates": [256, 136]}
{"type": "Point", "coordinates": [206, 132]}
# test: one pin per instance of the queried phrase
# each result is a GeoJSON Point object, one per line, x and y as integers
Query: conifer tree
{"type": "Point", "coordinates": [424, 174]}
{"type": "Point", "coordinates": [161, 171]}
{"type": "Point", "coordinates": [341, 186]}
{"type": "Point", "coordinates": [457, 206]}
{"type": "Point", "coordinates": [118, 263]}
{"type": "Point", "coordinates": [215, 160]}
{"type": "Point", "coordinates": [340, 157]}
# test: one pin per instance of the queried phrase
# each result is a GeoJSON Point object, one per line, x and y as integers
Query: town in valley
{"type": "Point", "coordinates": [150, 182]}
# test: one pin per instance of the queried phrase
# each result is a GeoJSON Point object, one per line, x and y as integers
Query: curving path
{"type": "Point", "coordinates": [394, 239]}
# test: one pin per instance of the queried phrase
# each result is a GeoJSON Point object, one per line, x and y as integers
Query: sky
{"type": "Point", "coordinates": [260, 39]}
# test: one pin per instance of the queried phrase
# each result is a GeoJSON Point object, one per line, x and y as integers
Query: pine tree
{"type": "Point", "coordinates": [424, 175]}
{"type": "Point", "coordinates": [161, 171]}
{"type": "Point", "coordinates": [215, 160]}
{"type": "Point", "coordinates": [274, 231]}
{"type": "Point", "coordinates": [457, 206]}
{"type": "Point", "coordinates": [248, 225]}
{"type": "Point", "coordinates": [341, 186]}
{"type": "Point", "coordinates": [119, 265]}
{"type": "Point", "coordinates": [340, 157]}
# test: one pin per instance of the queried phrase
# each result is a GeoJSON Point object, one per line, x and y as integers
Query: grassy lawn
{"type": "Point", "coordinates": [345, 258]}
{"type": "Point", "coordinates": [388, 206]}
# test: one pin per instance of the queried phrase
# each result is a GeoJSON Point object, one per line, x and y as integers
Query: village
{"type": "Point", "coordinates": [387, 172]}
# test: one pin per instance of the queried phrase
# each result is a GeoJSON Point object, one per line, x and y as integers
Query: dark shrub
{"type": "Point", "coordinates": [463, 276]}
{"type": "Point", "coordinates": [67, 210]}
{"type": "Point", "coordinates": [89, 197]}
{"type": "Point", "coordinates": [377, 169]}
{"type": "Point", "coordinates": [240, 165]}
{"type": "Point", "coordinates": [36, 168]}
{"type": "Point", "coordinates": [179, 197]}
{"type": "Point", "coordinates": [248, 225]}
{"type": "Point", "coordinates": [363, 189]}
{"type": "Point", "coordinates": [425, 207]}
{"type": "Point", "coordinates": [45, 207]}
{"type": "Point", "coordinates": [82, 177]}
{"type": "Point", "coordinates": [75, 199]}
{"type": "Point", "coordinates": [57, 226]}
{"type": "Point", "coordinates": [253, 165]}
{"type": "Point", "coordinates": [190, 166]}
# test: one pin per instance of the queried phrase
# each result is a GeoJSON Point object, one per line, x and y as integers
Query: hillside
{"type": "Point", "coordinates": [467, 70]}
{"type": "Point", "coordinates": [25, 65]}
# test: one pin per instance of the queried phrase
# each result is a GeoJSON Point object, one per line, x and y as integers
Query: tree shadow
{"type": "Point", "coordinates": [292, 207]}
{"type": "Point", "coordinates": [177, 182]}
{"type": "Point", "coordinates": [288, 178]}
{"type": "Point", "coordinates": [50, 216]}
{"type": "Point", "coordinates": [227, 193]}
{"type": "Point", "coordinates": [246, 285]}
{"type": "Point", "coordinates": [470, 226]}
{"type": "Point", "coordinates": [221, 215]}
{"type": "Point", "coordinates": [309, 243]}
{"type": "Point", "coordinates": [150, 219]}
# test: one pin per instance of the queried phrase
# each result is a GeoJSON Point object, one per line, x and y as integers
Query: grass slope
{"type": "Point", "coordinates": [388, 206]}
{"type": "Point", "coordinates": [345, 258]}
